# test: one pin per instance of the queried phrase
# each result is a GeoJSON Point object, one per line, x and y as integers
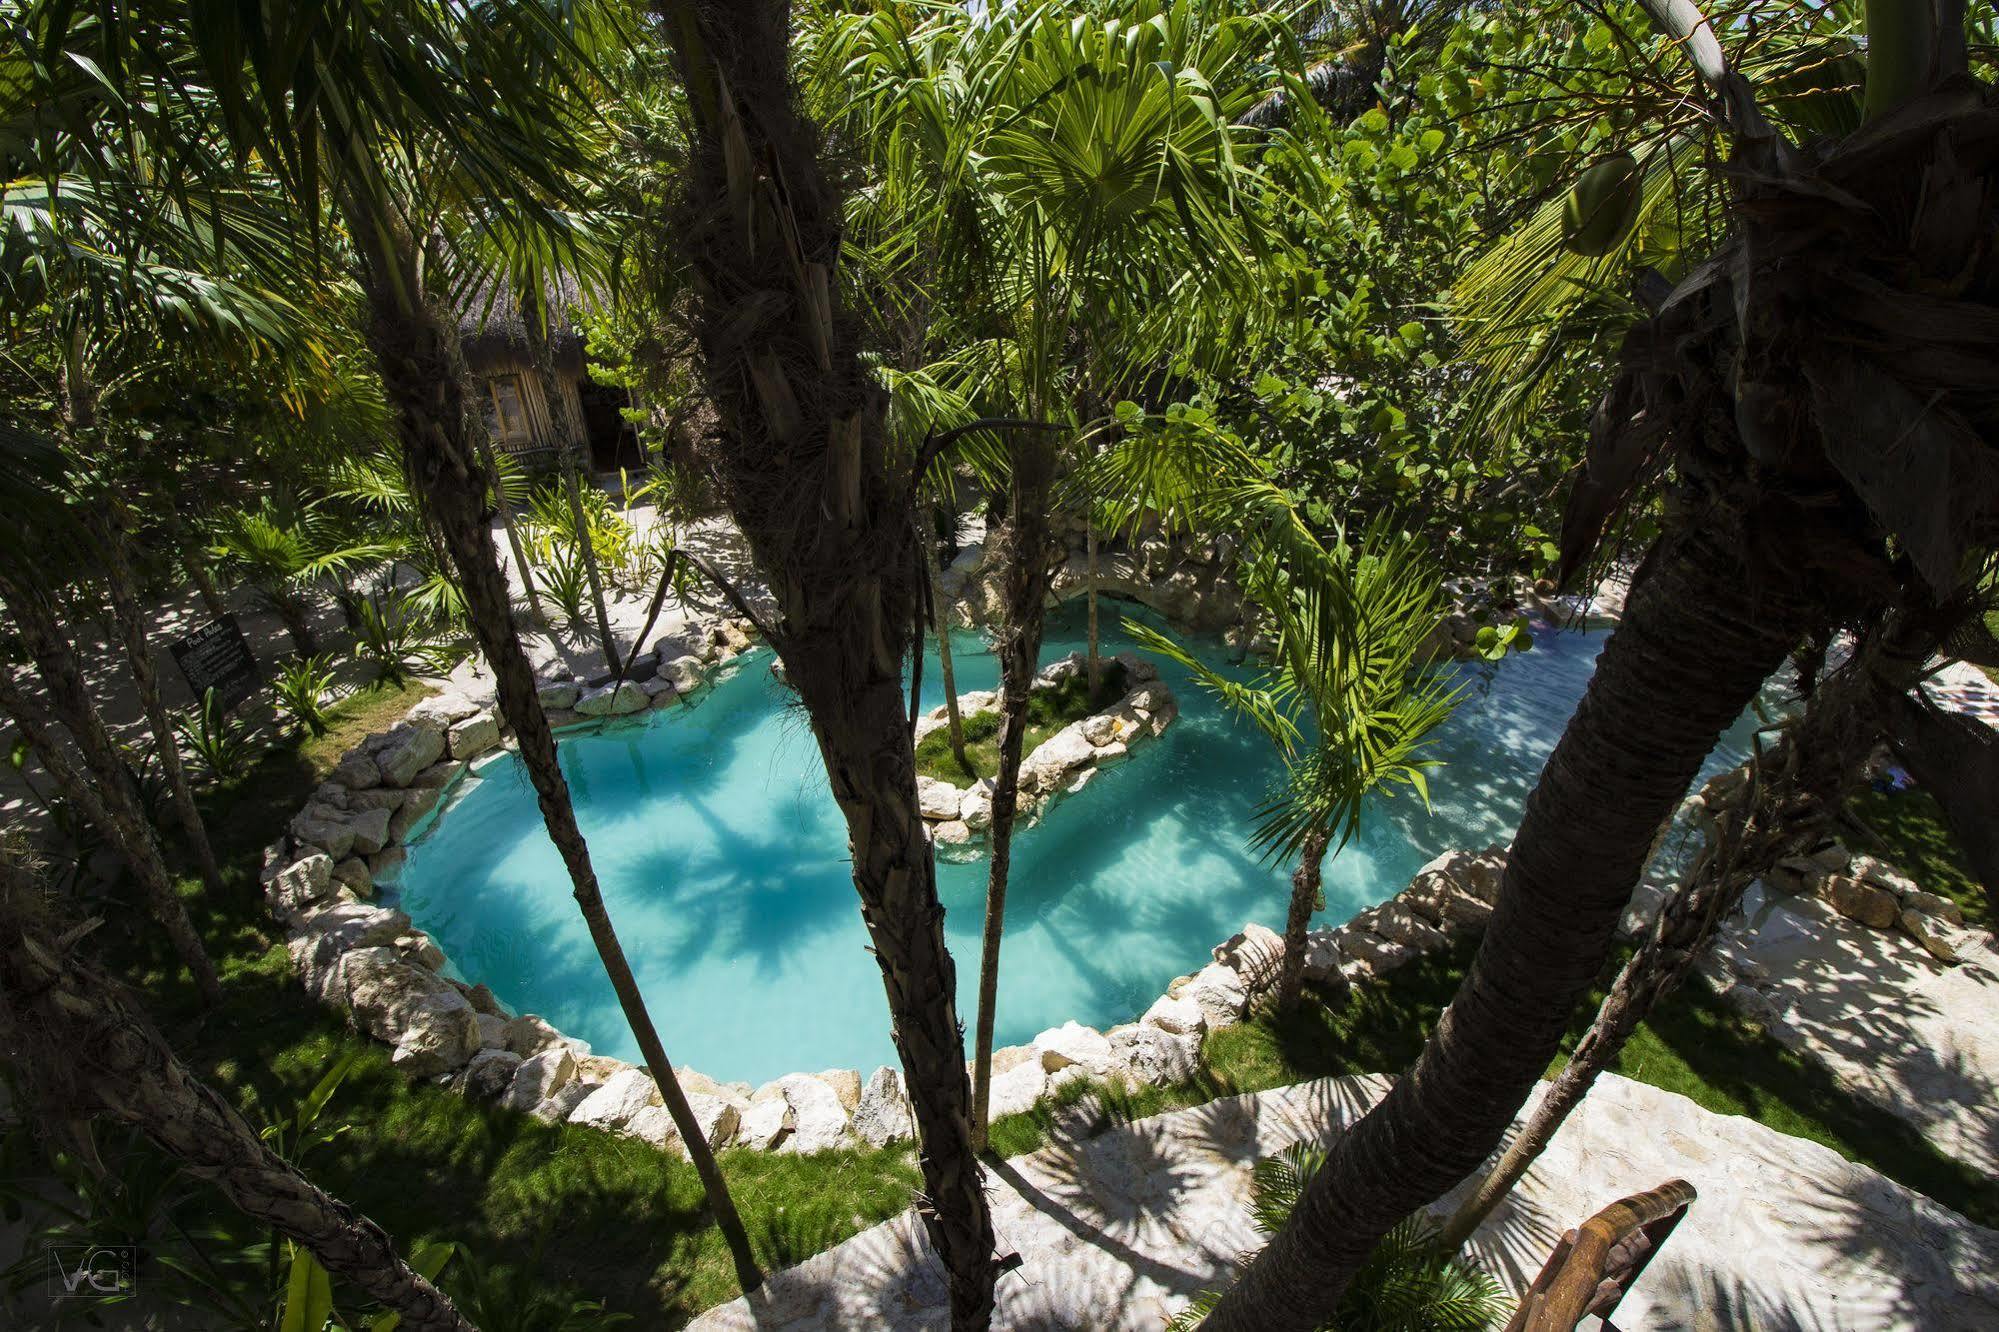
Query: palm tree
{"type": "Point", "coordinates": [53, 1004]}
{"type": "Point", "coordinates": [481, 109]}
{"type": "Point", "coordinates": [1348, 705]}
{"type": "Point", "coordinates": [1774, 395]}
{"type": "Point", "coordinates": [1065, 180]}
{"type": "Point", "coordinates": [1781, 802]}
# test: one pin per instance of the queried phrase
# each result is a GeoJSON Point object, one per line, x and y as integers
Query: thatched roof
{"type": "Point", "coordinates": [493, 328]}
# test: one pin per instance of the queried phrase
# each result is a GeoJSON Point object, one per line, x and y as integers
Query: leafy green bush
{"type": "Point", "coordinates": [220, 746]}
{"type": "Point", "coordinates": [301, 686]}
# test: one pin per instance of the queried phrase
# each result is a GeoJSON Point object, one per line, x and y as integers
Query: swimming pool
{"type": "Point", "coordinates": [723, 862]}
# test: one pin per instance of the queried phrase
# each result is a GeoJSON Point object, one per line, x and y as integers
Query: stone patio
{"type": "Point", "coordinates": [1117, 1230]}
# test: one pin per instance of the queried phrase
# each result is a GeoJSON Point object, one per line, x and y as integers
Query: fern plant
{"type": "Point", "coordinates": [1408, 1284]}
{"type": "Point", "coordinates": [395, 635]}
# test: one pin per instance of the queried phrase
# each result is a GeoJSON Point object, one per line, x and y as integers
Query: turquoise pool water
{"type": "Point", "coordinates": [723, 861]}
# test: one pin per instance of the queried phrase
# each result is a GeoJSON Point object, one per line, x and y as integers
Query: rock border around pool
{"type": "Point", "coordinates": [1064, 763]}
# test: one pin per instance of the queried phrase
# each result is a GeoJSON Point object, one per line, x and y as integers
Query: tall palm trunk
{"type": "Point", "coordinates": [124, 825]}
{"type": "Point", "coordinates": [1305, 882]}
{"type": "Point", "coordinates": [131, 626]}
{"type": "Point", "coordinates": [54, 1009]}
{"type": "Point", "coordinates": [423, 382]}
{"type": "Point", "coordinates": [72, 784]}
{"type": "Point", "coordinates": [195, 559]}
{"type": "Point", "coordinates": [1090, 597]}
{"type": "Point", "coordinates": [1781, 803]}
{"type": "Point", "coordinates": [477, 430]}
{"type": "Point", "coordinates": [569, 443]}
{"type": "Point", "coordinates": [1024, 602]}
{"type": "Point", "coordinates": [801, 461]}
{"type": "Point", "coordinates": [1700, 636]}
{"type": "Point", "coordinates": [295, 613]}
{"type": "Point", "coordinates": [940, 616]}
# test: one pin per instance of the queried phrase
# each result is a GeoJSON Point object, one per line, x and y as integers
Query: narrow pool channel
{"type": "Point", "coordinates": [724, 864]}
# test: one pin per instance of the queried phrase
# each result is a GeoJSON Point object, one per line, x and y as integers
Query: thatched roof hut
{"type": "Point", "coordinates": [533, 410]}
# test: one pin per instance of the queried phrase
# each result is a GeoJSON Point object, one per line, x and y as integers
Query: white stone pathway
{"type": "Point", "coordinates": [1117, 1231]}
{"type": "Point", "coordinates": [1902, 1031]}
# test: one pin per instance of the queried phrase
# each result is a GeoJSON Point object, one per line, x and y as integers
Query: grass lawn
{"type": "Point", "coordinates": [1908, 831]}
{"type": "Point", "coordinates": [1048, 711]}
{"type": "Point", "coordinates": [585, 1215]}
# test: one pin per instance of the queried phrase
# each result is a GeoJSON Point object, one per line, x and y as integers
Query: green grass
{"type": "Point", "coordinates": [1048, 711]}
{"type": "Point", "coordinates": [1907, 829]}
{"type": "Point", "coordinates": [599, 1217]}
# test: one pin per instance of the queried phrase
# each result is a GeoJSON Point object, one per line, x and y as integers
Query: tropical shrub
{"type": "Point", "coordinates": [221, 746]}
{"type": "Point", "coordinates": [302, 686]}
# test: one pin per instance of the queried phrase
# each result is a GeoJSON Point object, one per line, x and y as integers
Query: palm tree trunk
{"type": "Point", "coordinates": [131, 627]}
{"type": "Point", "coordinates": [801, 460]}
{"type": "Point", "coordinates": [125, 824]}
{"type": "Point", "coordinates": [1090, 597]}
{"type": "Point", "coordinates": [569, 441]}
{"type": "Point", "coordinates": [423, 381]}
{"type": "Point", "coordinates": [196, 560]}
{"type": "Point", "coordinates": [54, 1007]}
{"type": "Point", "coordinates": [1024, 556]}
{"type": "Point", "coordinates": [295, 614]}
{"type": "Point", "coordinates": [35, 728]}
{"type": "Point", "coordinates": [1305, 882]}
{"type": "Point", "coordinates": [477, 430]}
{"type": "Point", "coordinates": [1700, 636]}
{"type": "Point", "coordinates": [1781, 803]}
{"type": "Point", "coordinates": [940, 616]}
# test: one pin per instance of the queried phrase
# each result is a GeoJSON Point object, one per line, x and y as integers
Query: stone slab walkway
{"type": "Point", "coordinates": [1906, 1033]}
{"type": "Point", "coordinates": [1116, 1231]}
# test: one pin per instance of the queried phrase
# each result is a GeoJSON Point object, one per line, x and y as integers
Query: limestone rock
{"type": "Point", "coordinates": [975, 806]}
{"type": "Point", "coordinates": [651, 1124]}
{"type": "Point", "coordinates": [437, 776]}
{"type": "Point", "coordinates": [382, 797]}
{"type": "Point", "coordinates": [686, 673]}
{"type": "Point", "coordinates": [474, 735]}
{"type": "Point", "coordinates": [1857, 900]}
{"type": "Point", "coordinates": [1074, 1043]}
{"type": "Point", "coordinates": [490, 1074]}
{"type": "Point", "coordinates": [1933, 904]}
{"type": "Point", "coordinates": [356, 772]}
{"type": "Point", "coordinates": [540, 1077]}
{"type": "Point", "coordinates": [766, 1124]}
{"type": "Point", "coordinates": [559, 696]}
{"type": "Point", "coordinates": [429, 1023]}
{"type": "Point", "coordinates": [1218, 991]}
{"type": "Point", "coordinates": [1181, 1017]}
{"type": "Point", "coordinates": [324, 827]}
{"type": "Point", "coordinates": [300, 886]}
{"type": "Point", "coordinates": [1057, 756]}
{"type": "Point", "coordinates": [421, 949]}
{"type": "Point", "coordinates": [1010, 1056]}
{"type": "Point", "coordinates": [1443, 901]}
{"type": "Point", "coordinates": [371, 830]}
{"type": "Point", "coordinates": [1017, 1090]}
{"type": "Point", "coordinates": [1154, 1055]}
{"type": "Point", "coordinates": [1879, 873]}
{"type": "Point", "coordinates": [408, 751]}
{"type": "Point", "coordinates": [440, 711]}
{"type": "Point", "coordinates": [938, 800]}
{"type": "Point", "coordinates": [529, 1035]}
{"type": "Point", "coordinates": [1398, 924]}
{"type": "Point", "coordinates": [1943, 940]}
{"type": "Point", "coordinates": [613, 1105]}
{"type": "Point", "coordinates": [1377, 955]}
{"type": "Point", "coordinates": [883, 1115]}
{"type": "Point", "coordinates": [1322, 954]}
{"type": "Point", "coordinates": [561, 1102]}
{"type": "Point", "coordinates": [846, 1084]}
{"type": "Point", "coordinates": [819, 1121]}
{"type": "Point", "coordinates": [613, 700]}
{"type": "Point", "coordinates": [718, 1118]}
{"type": "Point", "coordinates": [954, 832]}
{"type": "Point", "coordinates": [417, 802]}
{"type": "Point", "coordinates": [492, 1030]}
{"type": "Point", "coordinates": [1256, 954]}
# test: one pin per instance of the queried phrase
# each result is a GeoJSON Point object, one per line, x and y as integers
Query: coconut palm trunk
{"type": "Point", "coordinates": [84, 1050]}
{"type": "Point", "coordinates": [940, 616]}
{"type": "Point", "coordinates": [1781, 803]}
{"type": "Point", "coordinates": [124, 822]}
{"type": "Point", "coordinates": [1305, 884]}
{"type": "Point", "coordinates": [195, 559]}
{"type": "Point", "coordinates": [130, 623]}
{"type": "Point", "coordinates": [423, 382]}
{"type": "Point", "coordinates": [569, 443]}
{"type": "Point", "coordinates": [1653, 711]}
{"type": "Point", "coordinates": [801, 460]}
{"type": "Point", "coordinates": [1023, 550]}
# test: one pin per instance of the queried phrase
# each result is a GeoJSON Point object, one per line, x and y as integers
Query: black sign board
{"type": "Point", "coordinates": [216, 657]}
